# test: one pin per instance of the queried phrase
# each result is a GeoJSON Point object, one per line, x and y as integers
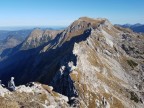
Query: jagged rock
{"type": "Point", "coordinates": [98, 64]}
{"type": "Point", "coordinates": [36, 96]}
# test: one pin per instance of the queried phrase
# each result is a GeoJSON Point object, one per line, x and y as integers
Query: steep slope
{"type": "Point", "coordinates": [106, 74]}
{"type": "Point", "coordinates": [92, 62]}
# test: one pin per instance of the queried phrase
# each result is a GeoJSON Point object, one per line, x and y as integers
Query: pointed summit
{"type": "Point", "coordinates": [38, 37]}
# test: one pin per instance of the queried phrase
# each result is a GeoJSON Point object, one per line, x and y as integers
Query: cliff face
{"type": "Point", "coordinates": [92, 62]}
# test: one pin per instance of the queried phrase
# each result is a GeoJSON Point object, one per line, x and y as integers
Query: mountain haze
{"type": "Point", "coordinates": [10, 39]}
{"type": "Point", "coordinates": [139, 28]}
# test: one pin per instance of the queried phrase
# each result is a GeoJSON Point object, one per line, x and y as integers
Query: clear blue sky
{"type": "Point", "coordinates": [64, 12]}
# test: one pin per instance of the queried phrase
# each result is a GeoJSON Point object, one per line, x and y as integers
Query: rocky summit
{"type": "Point", "coordinates": [91, 64]}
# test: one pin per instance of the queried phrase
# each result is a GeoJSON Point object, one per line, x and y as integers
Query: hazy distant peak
{"type": "Point", "coordinates": [36, 32]}
{"type": "Point", "coordinates": [135, 27]}
{"type": "Point", "coordinates": [39, 37]}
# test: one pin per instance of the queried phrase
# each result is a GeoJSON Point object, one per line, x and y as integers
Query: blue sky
{"type": "Point", "coordinates": [64, 12]}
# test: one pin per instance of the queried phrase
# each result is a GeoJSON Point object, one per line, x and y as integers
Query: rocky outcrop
{"type": "Point", "coordinates": [92, 62]}
{"type": "Point", "coordinates": [34, 96]}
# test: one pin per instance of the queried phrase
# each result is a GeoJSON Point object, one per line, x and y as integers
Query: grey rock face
{"type": "Point", "coordinates": [108, 65]}
{"type": "Point", "coordinates": [92, 62]}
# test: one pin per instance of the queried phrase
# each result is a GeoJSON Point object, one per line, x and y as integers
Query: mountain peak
{"type": "Point", "coordinates": [89, 60]}
{"type": "Point", "coordinates": [79, 26]}
{"type": "Point", "coordinates": [86, 22]}
{"type": "Point", "coordinates": [38, 37]}
{"type": "Point", "coordinates": [88, 19]}
{"type": "Point", "coordinates": [36, 32]}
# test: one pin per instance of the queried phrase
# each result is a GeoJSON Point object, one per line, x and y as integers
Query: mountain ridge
{"type": "Point", "coordinates": [92, 62]}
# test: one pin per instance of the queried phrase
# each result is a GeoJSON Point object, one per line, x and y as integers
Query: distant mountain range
{"type": "Point", "coordinates": [20, 34]}
{"type": "Point", "coordinates": [139, 28]}
{"type": "Point", "coordinates": [9, 39]}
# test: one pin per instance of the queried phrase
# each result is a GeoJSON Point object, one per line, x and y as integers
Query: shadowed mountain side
{"type": "Point", "coordinates": [92, 62]}
{"type": "Point", "coordinates": [29, 66]}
